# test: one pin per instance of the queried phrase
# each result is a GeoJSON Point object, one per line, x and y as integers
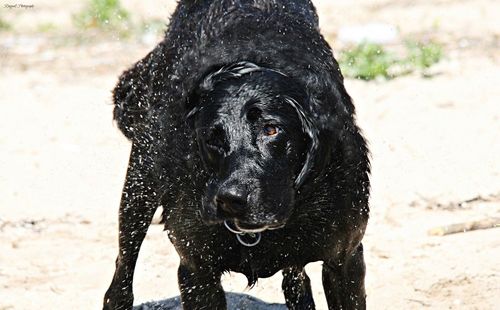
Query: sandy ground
{"type": "Point", "coordinates": [435, 144]}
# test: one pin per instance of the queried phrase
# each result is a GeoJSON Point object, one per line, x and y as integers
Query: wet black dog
{"type": "Point", "coordinates": [243, 132]}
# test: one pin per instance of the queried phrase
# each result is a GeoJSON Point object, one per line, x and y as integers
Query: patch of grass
{"type": "Point", "coordinates": [110, 17]}
{"type": "Point", "coordinates": [104, 15]}
{"type": "Point", "coordinates": [423, 55]}
{"type": "Point", "coordinates": [368, 61]}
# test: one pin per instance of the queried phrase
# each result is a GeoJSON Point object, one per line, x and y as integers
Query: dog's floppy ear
{"type": "Point", "coordinates": [193, 103]}
{"type": "Point", "coordinates": [313, 134]}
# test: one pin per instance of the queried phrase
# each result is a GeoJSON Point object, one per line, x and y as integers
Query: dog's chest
{"type": "Point", "coordinates": [256, 265]}
{"type": "Point", "coordinates": [266, 258]}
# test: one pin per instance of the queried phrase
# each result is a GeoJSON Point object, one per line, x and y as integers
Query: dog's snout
{"type": "Point", "coordinates": [231, 202]}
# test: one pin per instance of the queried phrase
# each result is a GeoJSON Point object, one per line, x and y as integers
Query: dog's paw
{"type": "Point", "coordinates": [118, 301]}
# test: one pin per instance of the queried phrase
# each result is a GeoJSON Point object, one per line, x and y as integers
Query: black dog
{"type": "Point", "coordinates": [243, 132]}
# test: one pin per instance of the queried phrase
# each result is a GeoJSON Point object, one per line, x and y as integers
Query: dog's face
{"type": "Point", "coordinates": [254, 139]}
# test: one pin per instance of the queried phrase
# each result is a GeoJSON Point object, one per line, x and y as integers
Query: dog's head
{"type": "Point", "coordinates": [257, 142]}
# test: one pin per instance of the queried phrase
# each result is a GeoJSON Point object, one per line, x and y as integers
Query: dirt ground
{"type": "Point", "coordinates": [435, 149]}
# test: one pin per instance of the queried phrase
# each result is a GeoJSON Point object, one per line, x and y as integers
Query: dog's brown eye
{"type": "Point", "coordinates": [270, 130]}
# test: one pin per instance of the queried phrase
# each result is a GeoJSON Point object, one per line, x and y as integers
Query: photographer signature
{"type": "Point", "coordinates": [19, 6]}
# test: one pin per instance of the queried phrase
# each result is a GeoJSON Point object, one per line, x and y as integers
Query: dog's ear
{"type": "Point", "coordinates": [313, 133]}
{"type": "Point", "coordinates": [209, 81]}
{"type": "Point", "coordinates": [193, 106]}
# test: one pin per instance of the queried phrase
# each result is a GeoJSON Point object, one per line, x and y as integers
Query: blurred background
{"type": "Point", "coordinates": [424, 76]}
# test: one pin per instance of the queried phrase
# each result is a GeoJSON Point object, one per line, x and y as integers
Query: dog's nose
{"type": "Point", "coordinates": [231, 202]}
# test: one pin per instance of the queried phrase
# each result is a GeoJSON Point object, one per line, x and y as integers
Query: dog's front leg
{"type": "Point", "coordinates": [297, 289]}
{"type": "Point", "coordinates": [200, 289]}
{"type": "Point", "coordinates": [136, 212]}
{"type": "Point", "coordinates": [344, 282]}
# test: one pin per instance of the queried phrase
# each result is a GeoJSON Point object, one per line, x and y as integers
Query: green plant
{"type": "Point", "coordinates": [366, 61]}
{"type": "Point", "coordinates": [369, 61]}
{"type": "Point", "coordinates": [423, 55]}
{"type": "Point", "coordinates": [103, 14]}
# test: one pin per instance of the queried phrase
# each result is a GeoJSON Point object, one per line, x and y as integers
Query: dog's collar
{"type": "Point", "coordinates": [246, 239]}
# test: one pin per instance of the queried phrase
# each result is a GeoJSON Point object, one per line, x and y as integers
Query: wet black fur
{"type": "Point", "coordinates": [157, 102]}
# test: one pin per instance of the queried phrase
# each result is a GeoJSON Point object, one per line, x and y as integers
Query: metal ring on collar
{"type": "Point", "coordinates": [257, 235]}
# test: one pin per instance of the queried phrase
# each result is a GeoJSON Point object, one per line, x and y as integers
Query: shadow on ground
{"type": "Point", "coordinates": [234, 302]}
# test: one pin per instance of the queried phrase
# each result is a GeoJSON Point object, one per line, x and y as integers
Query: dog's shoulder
{"type": "Point", "coordinates": [130, 97]}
